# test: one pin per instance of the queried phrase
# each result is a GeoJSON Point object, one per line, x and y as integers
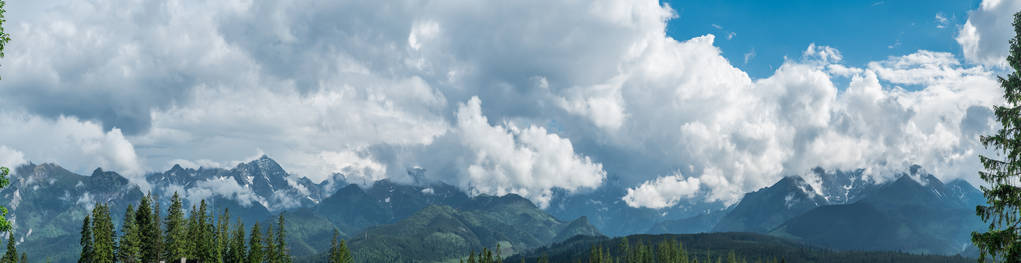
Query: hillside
{"type": "Point", "coordinates": [905, 215]}
{"type": "Point", "coordinates": [441, 232]}
{"type": "Point", "coordinates": [712, 246]}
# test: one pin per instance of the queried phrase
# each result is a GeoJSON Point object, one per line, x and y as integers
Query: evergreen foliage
{"type": "Point", "coordinates": [236, 246]}
{"type": "Point", "coordinates": [711, 247]}
{"type": "Point", "coordinates": [128, 248]}
{"type": "Point", "coordinates": [86, 241]}
{"type": "Point", "coordinates": [5, 225]}
{"type": "Point", "coordinates": [1002, 242]}
{"type": "Point", "coordinates": [103, 236]}
{"type": "Point", "coordinates": [147, 221]}
{"type": "Point", "coordinates": [176, 235]}
{"type": "Point", "coordinates": [12, 252]}
{"type": "Point", "coordinates": [204, 239]}
{"type": "Point", "coordinates": [339, 253]}
{"type": "Point", "coordinates": [282, 255]}
{"type": "Point", "coordinates": [256, 253]}
{"type": "Point", "coordinates": [270, 254]}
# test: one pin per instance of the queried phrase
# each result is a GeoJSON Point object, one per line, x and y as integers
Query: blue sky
{"type": "Point", "coordinates": [863, 31]}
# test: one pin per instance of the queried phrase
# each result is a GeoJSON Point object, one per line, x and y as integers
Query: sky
{"type": "Point", "coordinates": [678, 100]}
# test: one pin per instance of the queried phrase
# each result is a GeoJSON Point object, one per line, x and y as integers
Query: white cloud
{"type": "Point", "coordinates": [355, 88]}
{"type": "Point", "coordinates": [224, 187]}
{"type": "Point", "coordinates": [77, 145]}
{"type": "Point", "coordinates": [941, 21]}
{"type": "Point", "coordinates": [984, 36]}
{"type": "Point", "coordinates": [11, 158]}
{"type": "Point", "coordinates": [528, 162]}
{"type": "Point", "coordinates": [663, 192]}
{"type": "Point", "coordinates": [357, 167]}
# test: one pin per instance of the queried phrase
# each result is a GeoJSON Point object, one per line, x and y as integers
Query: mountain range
{"type": "Point", "coordinates": [845, 210]}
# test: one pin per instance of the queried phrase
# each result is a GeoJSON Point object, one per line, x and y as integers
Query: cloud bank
{"type": "Point", "coordinates": [496, 97]}
{"type": "Point", "coordinates": [984, 36]}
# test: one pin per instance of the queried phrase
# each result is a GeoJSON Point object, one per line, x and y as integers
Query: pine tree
{"type": "Point", "coordinates": [625, 250]}
{"type": "Point", "coordinates": [129, 250]}
{"type": "Point", "coordinates": [149, 236]}
{"type": "Point", "coordinates": [271, 250]}
{"type": "Point", "coordinates": [193, 236]}
{"type": "Point", "coordinates": [12, 252]}
{"type": "Point", "coordinates": [339, 252]}
{"type": "Point", "coordinates": [1003, 239]}
{"type": "Point", "coordinates": [334, 248]}
{"type": "Point", "coordinates": [282, 253]}
{"type": "Point", "coordinates": [205, 241]}
{"type": "Point", "coordinates": [157, 218]}
{"type": "Point", "coordinates": [24, 258]}
{"type": "Point", "coordinates": [681, 253]}
{"type": "Point", "coordinates": [236, 249]}
{"type": "Point", "coordinates": [103, 237]}
{"type": "Point", "coordinates": [176, 235]}
{"type": "Point", "coordinates": [255, 248]}
{"type": "Point", "coordinates": [663, 251]}
{"type": "Point", "coordinates": [86, 241]}
{"type": "Point", "coordinates": [223, 236]}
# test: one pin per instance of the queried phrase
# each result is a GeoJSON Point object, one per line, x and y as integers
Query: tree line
{"type": "Point", "coordinates": [665, 251]}
{"type": "Point", "coordinates": [146, 236]}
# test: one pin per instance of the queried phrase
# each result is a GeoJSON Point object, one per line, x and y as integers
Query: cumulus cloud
{"type": "Point", "coordinates": [11, 158]}
{"type": "Point", "coordinates": [115, 61]}
{"type": "Point", "coordinates": [354, 88]}
{"type": "Point", "coordinates": [663, 192]}
{"type": "Point", "coordinates": [529, 162]}
{"type": "Point", "coordinates": [77, 145]}
{"type": "Point", "coordinates": [354, 166]}
{"type": "Point", "coordinates": [984, 36]}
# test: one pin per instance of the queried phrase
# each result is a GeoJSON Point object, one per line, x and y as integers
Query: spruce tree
{"type": "Point", "coordinates": [159, 246]}
{"type": "Point", "coordinates": [334, 248]}
{"type": "Point", "coordinates": [271, 249]}
{"type": "Point", "coordinates": [339, 252]}
{"type": "Point", "coordinates": [86, 241]}
{"type": "Point", "coordinates": [193, 237]}
{"type": "Point", "coordinates": [1002, 241]}
{"type": "Point", "coordinates": [255, 251]}
{"type": "Point", "coordinates": [24, 258]}
{"type": "Point", "coordinates": [344, 254]}
{"type": "Point", "coordinates": [176, 235]}
{"type": "Point", "coordinates": [625, 250]}
{"type": "Point", "coordinates": [223, 236]}
{"type": "Point", "coordinates": [236, 248]}
{"type": "Point", "coordinates": [129, 250]}
{"type": "Point", "coordinates": [103, 236]}
{"type": "Point", "coordinates": [283, 255]}
{"type": "Point", "coordinates": [149, 235]}
{"type": "Point", "coordinates": [205, 242]}
{"type": "Point", "coordinates": [12, 251]}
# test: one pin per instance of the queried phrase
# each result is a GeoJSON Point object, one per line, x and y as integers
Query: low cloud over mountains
{"type": "Point", "coordinates": [493, 97]}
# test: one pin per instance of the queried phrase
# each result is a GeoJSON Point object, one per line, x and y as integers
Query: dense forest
{"type": "Point", "coordinates": [705, 248]}
{"type": "Point", "coordinates": [146, 236]}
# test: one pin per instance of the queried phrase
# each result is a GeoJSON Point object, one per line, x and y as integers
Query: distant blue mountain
{"type": "Point", "coordinates": [834, 209]}
{"type": "Point", "coordinates": [606, 209]}
{"type": "Point", "coordinates": [842, 210]}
